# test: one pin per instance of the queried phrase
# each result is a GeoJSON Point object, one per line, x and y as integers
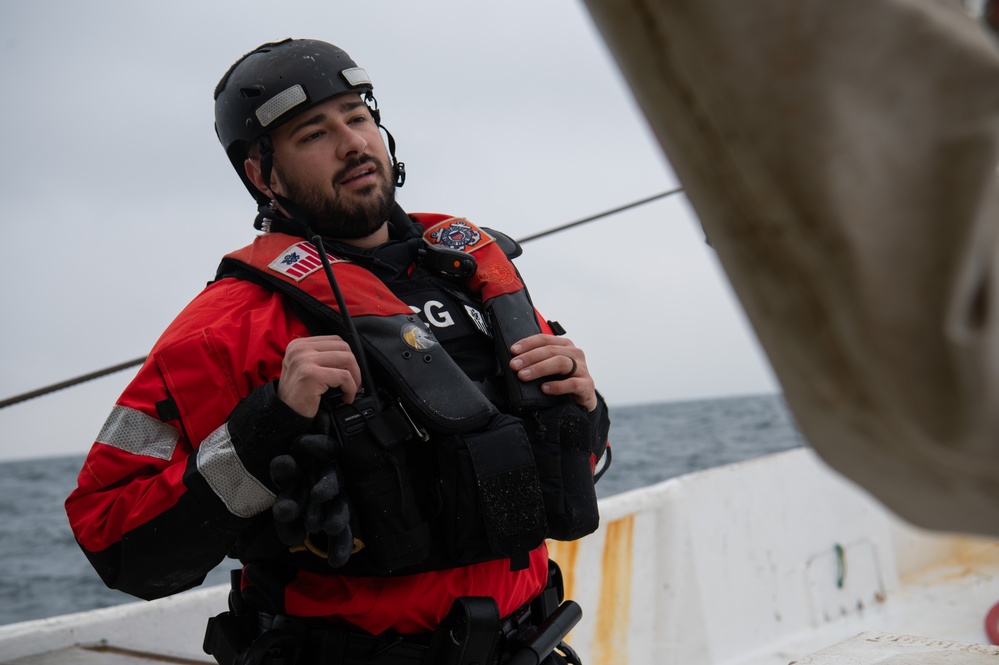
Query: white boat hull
{"type": "Point", "coordinates": [734, 565]}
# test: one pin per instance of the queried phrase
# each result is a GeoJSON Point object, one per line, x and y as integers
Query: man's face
{"type": "Point", "coordinates": [332, 163]}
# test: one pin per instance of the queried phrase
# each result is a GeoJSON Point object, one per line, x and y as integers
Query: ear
{"type": "Point", "coordinates": [252, 169]}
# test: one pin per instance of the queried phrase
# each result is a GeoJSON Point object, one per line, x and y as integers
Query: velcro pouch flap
{"type": "Point", "coordinates": [509, 492]}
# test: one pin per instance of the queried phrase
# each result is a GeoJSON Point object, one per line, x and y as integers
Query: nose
{"type": "Point", "coordinates": [352, 143]}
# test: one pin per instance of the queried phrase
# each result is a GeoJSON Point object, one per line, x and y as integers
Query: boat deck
{"type": "Point", "coordinates": [100, 654]}
{"type": "Point", "coordinates": [946, 601]}
{"type": "Point", "coordinates": [169, 631]}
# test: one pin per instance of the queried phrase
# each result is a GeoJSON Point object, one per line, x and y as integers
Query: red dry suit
{"type": "Point", "coordinates": [178, 474]}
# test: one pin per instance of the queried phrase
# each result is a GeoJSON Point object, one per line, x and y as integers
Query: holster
{"type": "Point", "coordinates": [233, 638]}
{"type": "Point", "coordinates": [468, 634]}
{"type": "Point", "coordinates": [473, 634]}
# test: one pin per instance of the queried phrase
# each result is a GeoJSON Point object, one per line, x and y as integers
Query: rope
{"type": "Point", "coordinates": [17, 399]}
{"type": "Point", "coordinates": [71, 382]}
{"type": "Point", "coordinates": [606, 213]}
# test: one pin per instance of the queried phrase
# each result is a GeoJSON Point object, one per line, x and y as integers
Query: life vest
{"type": "Point", "coordinates": [444, 479]}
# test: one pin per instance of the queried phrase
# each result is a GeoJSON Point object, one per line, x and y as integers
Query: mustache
{"type": "Point", "coordinates": [354, 163]}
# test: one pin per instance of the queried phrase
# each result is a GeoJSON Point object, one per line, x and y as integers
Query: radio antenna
{"type": "Point", "coordinates": [353, 339]}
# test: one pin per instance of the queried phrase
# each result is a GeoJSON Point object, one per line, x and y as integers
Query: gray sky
{"type": "Point", "coordinates": [118, 200]}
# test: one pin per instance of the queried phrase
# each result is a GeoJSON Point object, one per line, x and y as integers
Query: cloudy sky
{"type": "Point", "coordinates": [118, 200]}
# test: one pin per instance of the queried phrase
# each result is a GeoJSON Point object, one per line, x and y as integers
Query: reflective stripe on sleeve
{"type": "Point", "coordinates": [241, 492]}
{"type": "Point", "coordinates": [135, 432]}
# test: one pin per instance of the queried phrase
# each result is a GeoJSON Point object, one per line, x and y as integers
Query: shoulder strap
{"type": "Point", "coordinates": [317, 320]}
{"type": "Point", "coordinates": [310, 310]}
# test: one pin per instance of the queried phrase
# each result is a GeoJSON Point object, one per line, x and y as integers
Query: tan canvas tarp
{"type": "Point", "coordinates": [841, 156]}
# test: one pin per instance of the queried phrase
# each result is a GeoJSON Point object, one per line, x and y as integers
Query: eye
{"type": "Point", "coordinates": [309, 138]}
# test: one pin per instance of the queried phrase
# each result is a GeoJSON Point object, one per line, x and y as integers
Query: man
{"type": "Point", "coordinates": [374, 478]}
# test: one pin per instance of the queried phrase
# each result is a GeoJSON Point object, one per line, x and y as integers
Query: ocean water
{"type": "Point", "coordinates": [43, 573]}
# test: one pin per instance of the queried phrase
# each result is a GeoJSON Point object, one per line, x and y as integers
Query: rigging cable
{"type": "Point", "coordinates": [138, 361]}
{"type": "Point", "coordinates": [599, 215]}
{"type": "Point", "coordinates": [71, 382]}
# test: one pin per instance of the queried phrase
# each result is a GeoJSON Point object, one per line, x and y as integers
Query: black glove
{"type": "Point", "coordinates": [310, 501]}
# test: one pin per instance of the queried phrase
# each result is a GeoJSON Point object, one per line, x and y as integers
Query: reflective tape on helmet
{"type": "Point", "coordinates": [277, 105]}
{"type": "Point", "coordinates": [356, 76]}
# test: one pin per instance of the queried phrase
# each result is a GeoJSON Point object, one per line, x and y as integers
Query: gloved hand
{"type": "Point", "coordinates": [310, 500]}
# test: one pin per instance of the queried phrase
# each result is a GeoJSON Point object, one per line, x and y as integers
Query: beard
{"type": "Point", "coordinates": [330, 215]}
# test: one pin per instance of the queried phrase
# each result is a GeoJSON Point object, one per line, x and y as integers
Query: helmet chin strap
{"type": "Point", "coordinates": [398, 168]}
{"type": "Point", "coordinates": [268, 217]}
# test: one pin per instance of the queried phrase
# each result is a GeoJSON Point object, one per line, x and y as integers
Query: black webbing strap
{"type": "Point", "coordinates": [472, 633]}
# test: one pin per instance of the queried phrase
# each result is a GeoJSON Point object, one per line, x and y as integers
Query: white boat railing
{"type": "Point", "coordinates": [760, 563]}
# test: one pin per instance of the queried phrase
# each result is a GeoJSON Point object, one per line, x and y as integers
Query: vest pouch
{"type": "Point", "coordinates": [433, 387]}
{"type": "Point", "coordinates": [373, 451]}
{"type": "Point", "coordinates": [391, 527]}
{"type": "Point", "coordinates": [513, 319]}
{"type": "Point", "coordinates": [561, 437]}
{"type": "Point", "coordinates": [491, 496]}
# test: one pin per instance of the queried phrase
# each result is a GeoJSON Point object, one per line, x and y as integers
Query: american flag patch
{"type": "Point", "coordinates": [299, 261]}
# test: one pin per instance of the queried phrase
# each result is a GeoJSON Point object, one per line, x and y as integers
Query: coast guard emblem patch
{"type": "Point", "coordinates": [457, 233]}
{"type": "Point", "coordinates": [299, 261]}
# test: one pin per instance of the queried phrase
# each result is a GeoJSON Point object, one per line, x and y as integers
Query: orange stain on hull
{"type": "Point", "coordinates": [610, 641]}
{"type": "Point", "coordinates": [566, 554]}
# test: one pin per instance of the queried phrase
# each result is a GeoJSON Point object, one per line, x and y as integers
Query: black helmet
{"type": "Point", "coordinates": [275, 82]}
